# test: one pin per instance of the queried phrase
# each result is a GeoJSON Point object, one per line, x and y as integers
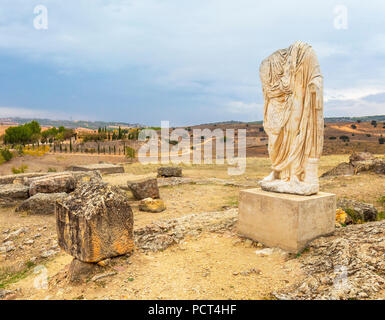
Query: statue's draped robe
{"type": "Point", "coordinates": [293, 115]}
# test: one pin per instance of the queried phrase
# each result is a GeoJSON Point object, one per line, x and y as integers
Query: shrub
{"type": "Point", "coordinates": [173, 142]}
{"type": "Point", "coordinates": [94, 137]}
{"type": "Point", "coordinates": [344, 138]}
{"type": "Point", "coordinates": [381, 140]}
{"type": "Point", "coordinates": [37, 152]}
{"type": "Point", "coordinates": [6, 154]}
{"type": "Point", "coordinates": [381, 216]}
{"type": "Point", "coordinates": [130, 152]}
{"type": "Point", "coordinates": [353, 126]}
{"type": "Point", "coordinates": [22, 169]}
{"type": "Point", "coordinates": [353, 214]}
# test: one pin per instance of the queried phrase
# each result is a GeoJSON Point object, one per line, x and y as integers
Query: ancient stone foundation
{"type": "Point", "coordinates": [285, 221]}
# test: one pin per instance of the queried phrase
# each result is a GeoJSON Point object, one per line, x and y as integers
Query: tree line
{"type": "Point", "coordinates": [31, 133]}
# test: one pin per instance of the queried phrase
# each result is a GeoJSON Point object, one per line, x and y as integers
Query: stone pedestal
{"type": "Point", "coordinates": [285, 221]}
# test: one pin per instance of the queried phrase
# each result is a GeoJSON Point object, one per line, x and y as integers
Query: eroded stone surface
{"type": "Point", "coordinates": [57, 183]}
{"type": "Point", "coordinates": [81, 271]}
{"type": "Point", "coordinates": [360, 162]}
{"type": "Point", "coordinates": [104, 168]}
{"type": "Point", "coordinates": [79, 176]}
{"type": "Point", "coordinates": [164, 233]}
{"type": "Point", "coordinates": [348, 265]}
{"type": "Point", "coordinates": [9, 179]}
{"type": "Point", "coordinates": [41, 203]}
{"type": "Point", "coordinates": [343, 169]}
{"type": "Point", "coordinates": [169, 172]}
{"type": "Point", "coordinates": [361, 210]}
{"type": "Point", "coordinates": [147, 188]}
{"type": "Point", "coordinates": [11, 194]}
{"type": "Point", "coordinates": [152, 205]}
{"type": "Point", "coordinates": [95, 222]}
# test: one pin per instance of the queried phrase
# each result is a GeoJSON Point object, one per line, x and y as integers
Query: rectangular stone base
{"type": "Point", "coordinates": [285, 221]}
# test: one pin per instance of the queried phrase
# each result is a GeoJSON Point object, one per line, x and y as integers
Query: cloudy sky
{"type": "Point", "coordinates": [186, 61]}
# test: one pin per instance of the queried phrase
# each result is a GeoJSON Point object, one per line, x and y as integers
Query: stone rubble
{"type": "Point", "coordinates": [160, 235]}
{"type": "Point", "coordinates": [358, 162]}
{"type": "Point", "coordinates": [362, 211]}
{"type": "Point", "coordinates": [348, 265]}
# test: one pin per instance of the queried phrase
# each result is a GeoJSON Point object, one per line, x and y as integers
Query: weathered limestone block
{"type": "Point", "coordinates": [358, 210]}
{"type": "Point", "coordinates": [152, 205]}
{"type": "Point", "coordinates": [9, 179]}
{"type": "Point", "coordinates": [283, 220]}
{"type": "Point", "coordinates": [169, 172]}
{"type": "Point", "coordinates": [104, 168]}
{"type": "Point", "coordinates": [53, 184]}
{"type": "Point", "coordinates": [10, 194]}
{"type": "Point", "coordinates": [80, 176]}
{"type": "Point", "coordinates": [84, 176]}
{"type": "Point", "coordinates": [147, 188]}
{"type": "Point", "coordinates": [95, 222]}
{"type": "Point", "coordinates": [41, 203]}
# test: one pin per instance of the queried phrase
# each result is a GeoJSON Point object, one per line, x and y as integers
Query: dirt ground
{"type": "Point", "coordinates": [195, 269]}
{"type": "Point", "coordinates": [209, 266]}
{"type": "Point", "coordinates": [57, 162]}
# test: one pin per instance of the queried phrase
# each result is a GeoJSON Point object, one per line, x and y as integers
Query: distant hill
{"type": "Point", "coordinates": [68, 124]}
{"type": "Point", "coordinates": [94, 125]}
{"type": "Point", "coordinates": [379, 118]}
{"type": "Point", "coordinates": [354, 119]}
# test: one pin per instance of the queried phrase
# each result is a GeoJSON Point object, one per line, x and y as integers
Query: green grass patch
{"type": "Point", "coordinates": [8, 277]}
{"type": "Point", "coordinates": [299, 254]}
{"type": "Point", "coordinates": [381, 200]}
{"type": "Point", "coordinates": [233, 201]}
{"type": "Point", "coordinates": [354, 215]}
{"type": "Point", "coordinates": [19, 170]}
{"type": "Point", "coordinates": [381, 216]}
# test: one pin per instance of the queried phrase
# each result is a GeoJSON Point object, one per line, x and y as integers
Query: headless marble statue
{"type": "Point", "coordinates": [293, 119]}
